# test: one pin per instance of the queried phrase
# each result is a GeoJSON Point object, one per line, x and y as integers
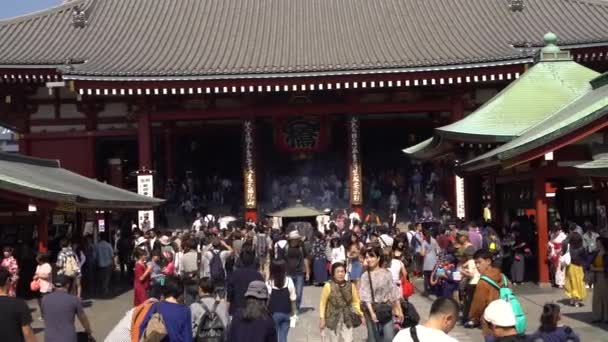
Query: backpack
{"type": "Point", "coordinates": [508, 296]}
{"type": "Point", "coordinates": [261, 249]}
{"type": "Point", "coordinates": [137, 319]}
{"type": "Point", "coordinates": [155, 330]}
{"type": "Point", "coordinates": [280, 252]}
{"type": "Point", "coordinates": [216, 269]}
{"type": "Point", "coordinates": [70, 266]}
{"type": "Point", "coordinates": [210, 327]}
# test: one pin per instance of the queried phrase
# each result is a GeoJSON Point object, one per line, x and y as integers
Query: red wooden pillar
{"type": "Point", "coordinates": [144, 141]}
{"type": "Point", "coordinates": [42, 228]}
{"type": "Point", "coordinates": [355, 175]}
{"type": "Point", "coordinates": [249, 170]}
{"type": "Point", "coordinates": [169, 161]}
{"type": "Point", "coordinates": [542, 226]}
{"type": "Point", "coordinates": [91, 157]}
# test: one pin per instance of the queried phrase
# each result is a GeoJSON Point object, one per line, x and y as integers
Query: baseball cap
{"type": "Point", "coordinates": [257, 289]}
{"type": "Point", "coordinates": [61, 280]}
{"type": "Point", "coordinates": [500, 313]}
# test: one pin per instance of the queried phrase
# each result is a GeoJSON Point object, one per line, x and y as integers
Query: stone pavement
{"type": "Point", "coordinates": [105, 313]}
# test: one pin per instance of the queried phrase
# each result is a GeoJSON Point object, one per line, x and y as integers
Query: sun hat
{"type": "Point", "coordinates": [294, 235]}
{"type": "Point", "coordinates": [165, 240]}
{"type": "Point", "coordinates": [140, 241]}
{"type": "Point", "coordinates": [499, 313]}
{"type": "Point", "coordinates": [257, 289]}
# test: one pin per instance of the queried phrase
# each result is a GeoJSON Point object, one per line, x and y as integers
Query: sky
{"type": "Point", "coordinates": [13, 8]}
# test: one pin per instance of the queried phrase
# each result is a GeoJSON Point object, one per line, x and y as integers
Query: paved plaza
{"type": "Point", "coordinates": [105, 313]}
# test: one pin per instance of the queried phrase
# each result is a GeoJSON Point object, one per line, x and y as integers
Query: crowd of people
{"type": "Point", "coordinates": [244, 280]}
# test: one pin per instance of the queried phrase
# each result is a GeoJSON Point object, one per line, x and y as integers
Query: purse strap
{"type": "Point", "coordinates": [414, 334]}
{"type": "Point", "coordinates": [371, 286]}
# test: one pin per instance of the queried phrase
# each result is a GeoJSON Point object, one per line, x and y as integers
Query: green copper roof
{"type": "Point", "coordinates": [542, 90]}
{"type": "Point", "coordinates": [586, 110]}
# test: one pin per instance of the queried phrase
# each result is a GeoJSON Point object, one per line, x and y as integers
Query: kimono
{"type": "Point", "coordinates": [556, 240]}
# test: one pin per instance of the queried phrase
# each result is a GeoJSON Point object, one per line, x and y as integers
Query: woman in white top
{"type": "Point", "coordinates": [44, 275]}
{"type": "Point", "coordinates": [397, 269]}
{"type": "Point", "coordinates": [338, 252]}
{"type": "Point", "coordinates": [282, 299]}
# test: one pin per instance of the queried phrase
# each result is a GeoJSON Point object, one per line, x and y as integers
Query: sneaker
{"type": "Point", "coordinates": [587, 286]}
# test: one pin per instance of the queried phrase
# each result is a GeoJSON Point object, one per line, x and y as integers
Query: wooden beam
{"type": "Point", "coordinates": [80, 134]}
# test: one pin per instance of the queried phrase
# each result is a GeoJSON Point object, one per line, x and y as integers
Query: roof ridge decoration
{"type": "Point", "coordinates": [552, 52]}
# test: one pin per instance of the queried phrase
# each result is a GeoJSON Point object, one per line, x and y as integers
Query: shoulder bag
{"type": "Point", "coordinates": [383, 311]}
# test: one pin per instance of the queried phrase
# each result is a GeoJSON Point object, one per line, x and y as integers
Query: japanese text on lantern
{"type": "Point", "coordinates": [356, 193]}
{"type": "Point", "coordinates": [249, 169]}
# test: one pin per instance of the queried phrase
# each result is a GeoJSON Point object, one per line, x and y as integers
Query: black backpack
{"type": "Point", "coordinates": [210, 327]}
{"type": "Point", "coordinates": [216, 268]}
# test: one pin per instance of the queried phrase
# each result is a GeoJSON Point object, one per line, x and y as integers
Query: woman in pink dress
{"type": "Point", "coordinates": [141, 279]}
{"type": "Point", "coordinates": [10, 263]}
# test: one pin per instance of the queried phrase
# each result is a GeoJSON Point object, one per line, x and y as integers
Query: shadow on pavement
{"type": "Point", "coordinates": [586, 317]}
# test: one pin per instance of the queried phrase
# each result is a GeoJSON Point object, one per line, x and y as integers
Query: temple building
{"type": "Point", "coordinates": [259, 89]}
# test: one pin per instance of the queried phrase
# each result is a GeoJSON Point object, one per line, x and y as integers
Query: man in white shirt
{"type": "Point", "coordinates": [442, 319]}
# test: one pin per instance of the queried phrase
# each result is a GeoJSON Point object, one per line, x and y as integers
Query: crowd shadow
{"type": "Point", "coordinates": [586, 317]}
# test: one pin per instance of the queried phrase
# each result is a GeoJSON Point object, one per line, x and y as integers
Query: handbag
{"type": "Point", "coordinates": [355, 319]}
{"type": "Point", "coordinates": [407, 288]}
{"type": "Point", "coordinates": [383, 311]}
{"type": "Point", "coordinates": [35, 285]}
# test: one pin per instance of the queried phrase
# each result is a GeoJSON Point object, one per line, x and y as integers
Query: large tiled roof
{"type": "Point", "coordinates": [589, 109]}
{"type": "Point", "coordinates": [45, 179]}
{"type": "Point", "coordinates": [232, 38]}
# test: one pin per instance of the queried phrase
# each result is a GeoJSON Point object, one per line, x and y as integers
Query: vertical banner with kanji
{"type": "Point", "coordinates": [145, 187]}
{"type": "Point", "coordinates": [460, 197]}
{"type": "Point", "coordinates": [355, 174]}
{"type": "Point", "coordinates": [249, 175]}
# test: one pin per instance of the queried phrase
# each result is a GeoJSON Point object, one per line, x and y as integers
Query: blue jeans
{"type": "Point", "coordinates": [281, 323]}
{"type": "Point", "coordinates": [377, 332]}
{"type": "Point", "coordinates": [298, 281]}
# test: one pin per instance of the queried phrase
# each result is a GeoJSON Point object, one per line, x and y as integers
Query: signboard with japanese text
{"type": "Point", "coordinates": [460, 197]}
{"type": "Point", "coordinates": [145, 187]}
{"type": "Point", "coordinates": [249, 174]}
{"type": "Point", "coordinates": [355, 174]}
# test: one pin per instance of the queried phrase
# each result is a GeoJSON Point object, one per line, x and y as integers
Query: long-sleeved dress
{"type": "Point", "coordinates": [140, 288]}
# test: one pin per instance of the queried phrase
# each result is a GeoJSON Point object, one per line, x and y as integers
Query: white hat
{"type": "Point", "coordinates": [500, 313]}
{"type": "Point", "coordinates": [140, 240]}
{"type": "Point", "coordinates": [294, 235]}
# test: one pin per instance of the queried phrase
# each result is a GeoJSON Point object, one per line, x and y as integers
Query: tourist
{"type": "Point", "coordinates": [141, 277]}
{"type": "Point", "coordinates": [263, 244]}
{"type": "Point", "coordinates": [15, 316]}
{"type": "Point", "coordinates": [354, 266]}
{"type": "Point", "coordinates": [319, 259]}
{"type": "Point", "coordinates": [282, 301]}
{"type": "Point", "coordinates": [124, 247]}
{"type": "Point", "coordinates": [429, 251]}
{"type": "Point", "coordinates": [214, 260]}
{"type": "Point", "coordinates": [337, 252]}
{"type": "Point", "coordinates": [298, 267]}
{"type": "Point", "coordinates": [59, 309]}
{"type": "Point", "coordinates": [590, 245]}
{"type": "Point", "coordinates": [165, 244]}
{"type": "Point", "coordinates": [575, 274]}
{"type": "Point", "coordinates": [386, 240]}
{"type": "Point", "coordinates": [599, 266]}
{"type": "Point", "coordinates": [82, 259]}
{"type": "Point", "coordinates": [550, 330]}
{"type": "Point", "coordinates": [190, 270]}
{"type": "Point", "coordinates": [177, 317]}
{"type": "Point", "coordinates": [397, 268]}
{"type": "Point", "coordinates": [471, 277]}
{"type": "Point", "coordinates": [518, 265]}
{"type": "Point", "coordinates": [239, 280]}
{"type": "Point", "coordinates": [168, 264]}
{"type": "Point", "coordinates": [208, 301]}
{"type": "Point", "coordinates": [44, 277]}
{"type": "Point", "coordinates": [339, 299]}
{"type": "Point", "coordinates": [123, 330]}
{"type": "Point", "coordinates": [10, 263]}
{"type": "Point", "coordinates": [157, 278]}
{"type": "Point", "coordinates": [442, 319]}
{"type": "Point", "coordinates": [380, 296]}
{"type": "Point", "coordinates": [499, 319]}
{"type": "Point", "coordinates": [253, 323]}
{"type": "Point", "coordinates": [475, 236]}
{"type": "Point", "coordinates": [485, 292]}
{"type": "Point", "coordinates": [442, 279]}
{"type": "Point", "coordinates": [152, 244]}
{"type": "Point", "coordinates": [556, 238]}
{"type": "Point", "coordinates": [492, 243]}
{"type": "Point", "coordinates": [67, 262]}
{"type": "Point", "coordinates": [104, 255]}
